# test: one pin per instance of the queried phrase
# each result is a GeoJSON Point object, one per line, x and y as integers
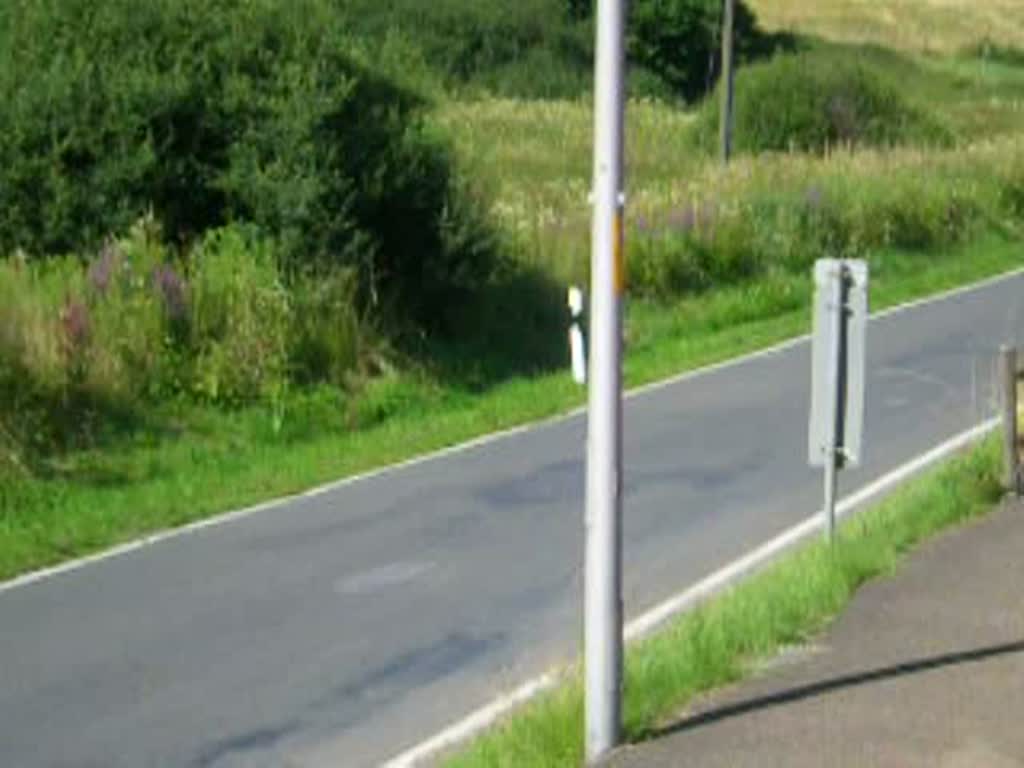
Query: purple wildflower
{"type": "Point", "coordinates": [171, 288]}
{"type": "Point", "coordinates": [101, 270]}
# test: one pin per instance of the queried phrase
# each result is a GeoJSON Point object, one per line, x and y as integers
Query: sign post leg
{"type": "Point", "coordinates": [1008, 371]}
{"type": "Point", "coordinates": [830, 497]}
{"type": "Point", "coordinates": [835, 383]}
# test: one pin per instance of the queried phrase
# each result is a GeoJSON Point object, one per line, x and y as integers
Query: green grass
{"type": "Point", "coordinates": [194, 462]}
{"type": "Point", "coordinates": [728, 637]}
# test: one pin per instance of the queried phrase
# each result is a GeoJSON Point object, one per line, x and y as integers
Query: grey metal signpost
{"type": "Point", "coordinates": [837, 372]}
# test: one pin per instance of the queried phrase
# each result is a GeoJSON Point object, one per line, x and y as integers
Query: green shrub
{"type": "Point", "coordinates": [531, 48]}
{"type": "Point", "coordinates": [135, 294]}
{"type": "Point", "coordinates": [87, 345]}
{"type": "Point", "coordinates": [819, 99]}
{"type": "Point", "coordinates": [680, 41]}
{"type": "Point", "coordinates": [240, 316]}
{"type": "Point", "coordinates": [993, 52]}
{"type": "Point", "coordinates": [699, 247]}
{"type": "Point", "coordinates": [214, 111]}
{"type": "Point", "coordinates": [82, 344]}
{"type": "Point", "coordinates": [326, 338]}
{"type": "Point", "coordinates": [545, 48]}
{"type": "Point", "coordinates": [540, 73]}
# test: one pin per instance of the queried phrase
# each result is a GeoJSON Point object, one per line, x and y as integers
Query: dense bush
{"type": "Point", "coordinates": [532, 48]}
{"type": "Point", "coordinates": [680, 41]}
{"type": "Point", "coordinates": [239, 317]}
{"type": "Point", "coordinates": [213, 111]}
{"type": "Point", "coordinates": [819, 99]}
{"type": "Point", "coordinates": [1002, 54]}
{"type": "Point", "coordinates": [545, 48]}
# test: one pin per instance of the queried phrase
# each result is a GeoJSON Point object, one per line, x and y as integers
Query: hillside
{"type": "Point", "coordinates": [228, 279]}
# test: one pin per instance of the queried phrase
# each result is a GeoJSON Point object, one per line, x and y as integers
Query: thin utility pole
{"type": "Point", "coordinates": [728, 79]}
{"type": "Point", "coordinates": [603, 523]}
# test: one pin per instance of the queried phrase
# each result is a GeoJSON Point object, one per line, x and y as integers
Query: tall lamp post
{"type": "Point", "coordinates": [603, 582]}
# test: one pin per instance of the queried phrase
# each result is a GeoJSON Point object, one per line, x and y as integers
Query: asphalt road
{"type": "Point", "coordinates": [339, 629]}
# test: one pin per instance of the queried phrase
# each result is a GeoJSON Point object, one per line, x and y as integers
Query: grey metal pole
{"type": "Point", "coordinates": [1008, 374]}
{"type": "Point", "coordinates": [603, 587]}
{"type": "Point", "coordinates": [832, 434]}
{"type": "Point", "coordinates": [728, 80]}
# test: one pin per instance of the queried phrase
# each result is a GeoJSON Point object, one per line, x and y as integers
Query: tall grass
{"type": "Point", "coordinates": [692, 226]}
{"type": "Point", "coordinates": [768, 211]}
{"type": "Point", "coordinates": [775, 214]}
{"type": "Point", "coordinates": [83, 340]}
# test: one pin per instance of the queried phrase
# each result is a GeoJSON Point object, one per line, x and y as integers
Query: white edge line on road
{"type": "Point", "coordinates": [228, 517]}
{"type": "Point", "coordinates": [718, 581]}
{"type": "Point", "coordinates": [474, 723]}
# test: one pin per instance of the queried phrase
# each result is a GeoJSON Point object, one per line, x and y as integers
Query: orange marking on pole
{"type": "Point", "coordinates": [620, 258]}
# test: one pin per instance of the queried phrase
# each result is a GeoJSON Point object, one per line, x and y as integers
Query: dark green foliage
{"type": "Point", "coordinates": [580, 9]}
{"type": "Point", "coordinates": [212, 111]}
{"type": "Point", "coordinates": [545, 48]}
{"type": "Point", "coordinates": [818, 99]}
{"type": "Point", "coordinates": [1002, 54]}
{"type": "Point", "coordinates": [537, 48]}
{"type": "Point", "coordinates": [680, 41]}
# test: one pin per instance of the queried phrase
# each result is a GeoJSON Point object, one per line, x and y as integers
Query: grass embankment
{"type": "Point", "coordinates": [729, 636]}
{"type": "Point", "coordinates": [197, 461]}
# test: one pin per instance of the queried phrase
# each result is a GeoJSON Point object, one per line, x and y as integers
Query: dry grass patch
{"type": "Point", "coordinates": [914, 25]}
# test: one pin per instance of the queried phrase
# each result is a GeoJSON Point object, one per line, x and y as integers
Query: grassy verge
{"type": "Point", "coordinates": [208, 461]}
{"type": "Point", "coordinates": [726, 638]}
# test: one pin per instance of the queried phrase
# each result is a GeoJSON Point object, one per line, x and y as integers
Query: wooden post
{"type": "Point", "coordinates": [1008, 374]}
